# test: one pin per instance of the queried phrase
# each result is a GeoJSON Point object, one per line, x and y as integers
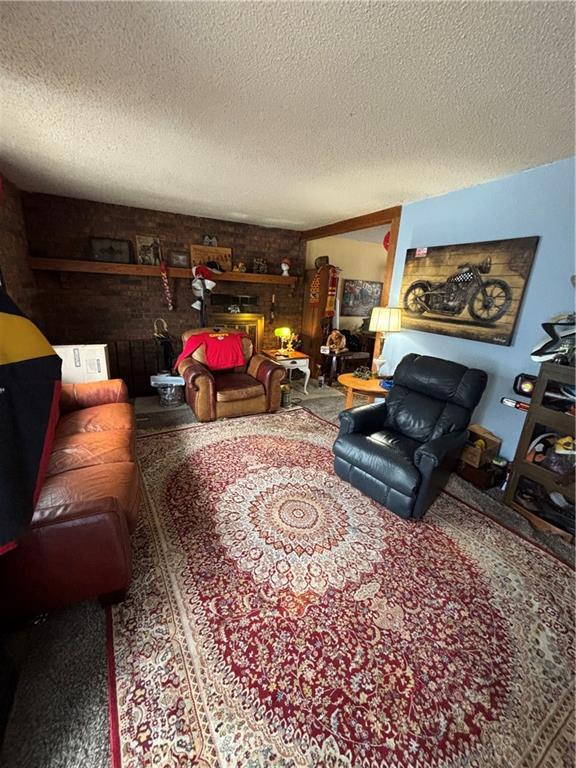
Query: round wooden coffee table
{"type": "Point", "coordinates": [369, 387]}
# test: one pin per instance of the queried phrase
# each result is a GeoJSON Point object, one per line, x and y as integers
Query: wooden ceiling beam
{"type": "Point", "coordinates": [376, 219]}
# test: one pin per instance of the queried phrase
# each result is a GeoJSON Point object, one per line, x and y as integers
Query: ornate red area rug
{"type": "Point", "coordinates": [278, 617]}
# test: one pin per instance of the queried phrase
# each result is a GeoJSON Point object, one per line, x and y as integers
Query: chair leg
{"type": "Point", "coordinates": [333, 370]}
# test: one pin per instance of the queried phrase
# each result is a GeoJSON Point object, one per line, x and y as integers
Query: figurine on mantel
{"type": "Point", "coordinates": [285, 267]}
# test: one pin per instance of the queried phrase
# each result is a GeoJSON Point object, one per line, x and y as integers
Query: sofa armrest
{"type": "Point", "coordinates": [71, 552]}
{"type": "Point", "coordinates": [57, 514]}
{"type": "Point", "coordinates": [430, 455]}
{"type": "Point", "coordinates": [76, 396]}
{"type": "Point", "coordinates": [363, 418]}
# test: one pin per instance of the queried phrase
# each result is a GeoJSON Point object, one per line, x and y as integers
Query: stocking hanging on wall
{"type": "Point", "coordinates": [166, 285]}
{"type": "Point", "coordinates": [332, 291]}
{"type": "Point", "coordinates": [315, 290]}
{"type": "Point", "coordinates": [272, 313]}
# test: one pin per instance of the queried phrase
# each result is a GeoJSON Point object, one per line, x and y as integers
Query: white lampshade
{"type": "Point", "coordinates": [386, 319]}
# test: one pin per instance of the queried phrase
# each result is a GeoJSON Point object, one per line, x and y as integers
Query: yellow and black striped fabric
{"type": "Point", "coordinates": [30, 383]}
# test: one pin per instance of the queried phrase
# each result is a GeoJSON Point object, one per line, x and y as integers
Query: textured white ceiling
{"type": "Point", "coordinates": [290, 114]}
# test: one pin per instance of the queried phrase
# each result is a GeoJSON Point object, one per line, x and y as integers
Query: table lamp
{"type": "Point", "coordinates": [284, 335]}
{"type": "Point", "coordinates": [384, 320]}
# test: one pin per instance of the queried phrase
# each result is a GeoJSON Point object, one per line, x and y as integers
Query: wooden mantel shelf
{"type": "Point", "coordinates": [141, 270]}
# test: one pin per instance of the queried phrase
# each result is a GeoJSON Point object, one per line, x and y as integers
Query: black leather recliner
{"type": "Point", "coordinates": [400, 452]}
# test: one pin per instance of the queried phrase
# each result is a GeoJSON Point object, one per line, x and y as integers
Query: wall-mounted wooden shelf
{"type": "Point", "coordinates": [140, 270]}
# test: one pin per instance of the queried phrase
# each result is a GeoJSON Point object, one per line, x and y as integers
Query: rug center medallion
{"type": "Point", "coordinates": [296, 513]}
{"type": "Point", "coordinates": [292, 527]}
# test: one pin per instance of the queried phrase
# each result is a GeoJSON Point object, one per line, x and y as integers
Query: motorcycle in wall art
{"type": "Point", "coordinates": [473, 291]}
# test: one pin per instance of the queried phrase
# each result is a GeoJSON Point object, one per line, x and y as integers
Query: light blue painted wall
{"type": "Point", "coordinates": [535, 202]}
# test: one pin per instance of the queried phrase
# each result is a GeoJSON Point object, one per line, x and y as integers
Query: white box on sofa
{"type": "Point", "coordinates": [83, 362]}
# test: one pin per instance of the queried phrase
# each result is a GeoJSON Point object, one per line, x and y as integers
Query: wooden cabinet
{"type": "Point", "coordinates": [541, 418]}
{"type": "Point", "coordinates": [315, 325]}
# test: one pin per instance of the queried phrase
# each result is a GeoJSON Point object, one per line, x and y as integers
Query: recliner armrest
{"type": "Point", "coordinates": [263, 369]}
{"type": "Point", "coordinates": [191, 369]}
{"type": "Point", "coordinates": [363, 418]}
{"type": "Point", "coordinates": [431, 454]}
{"type": "Point", "coordinates": [200, 388]}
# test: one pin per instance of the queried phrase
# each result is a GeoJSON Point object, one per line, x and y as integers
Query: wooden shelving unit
{"type": "Point", "coordinates": [563, 423]}
{"type": "Point", "coordinates": [141, 270]}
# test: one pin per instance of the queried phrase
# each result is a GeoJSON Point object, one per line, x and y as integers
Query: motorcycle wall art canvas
{"type": "Point", "coordinates": [473, 291]}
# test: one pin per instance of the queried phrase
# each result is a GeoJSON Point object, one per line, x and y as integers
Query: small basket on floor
{"type": "Point", "coordinates": [170, 389]}
{"type": "Point", "coordinates": [171, 395]}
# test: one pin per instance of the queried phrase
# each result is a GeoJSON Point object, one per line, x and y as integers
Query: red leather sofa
{"type": "Point", "coordinates": [78, 544]}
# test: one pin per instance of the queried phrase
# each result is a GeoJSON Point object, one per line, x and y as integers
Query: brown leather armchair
{"type": "Point", "coordinates": [253, 388]}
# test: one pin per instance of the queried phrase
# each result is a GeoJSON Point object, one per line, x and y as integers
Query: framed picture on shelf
{"type": "Point", "coordinates": [148, 250]}
{"type": "Point", "coordinates": [359, 297]}
{"type": "Point", "coordinates": [202, 254]}
{"type": "Point", "coordinates": [179, 258]}
{"type": "Point", "coordinates": [110, 249]}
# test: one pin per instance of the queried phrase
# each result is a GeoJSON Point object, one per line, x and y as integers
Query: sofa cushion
{"type": "Point", "coordinates": [89, 484]}
{"type": "Point", "coordinates": [97, 418]}
{"type": "Point", "coordinates": [88, 449]}
{"type": "Point", "coordinates": [236, 386]}
{"type": "Point", "coordinates": [87, 394]}
{"type": "Point", "coordinates": [383, 455]}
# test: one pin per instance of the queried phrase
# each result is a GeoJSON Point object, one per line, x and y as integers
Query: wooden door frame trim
{"type": "Point", "coordinates": [376, 219]}
{"type": "Point", "coordinates": [389, 268]}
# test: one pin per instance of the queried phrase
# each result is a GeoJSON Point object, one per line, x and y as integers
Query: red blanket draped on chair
{"type": "Point", "coordinates": [222, 350]}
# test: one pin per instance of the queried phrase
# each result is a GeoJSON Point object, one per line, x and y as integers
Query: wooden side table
{"type": "Point", "coordinates": [291, 361]}
{"type": "Point", "coordinates": [369, 387]}
{"type": "Point", "coordinates": [336, 363]}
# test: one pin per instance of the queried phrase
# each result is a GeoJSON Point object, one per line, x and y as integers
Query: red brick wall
{"type": "Point", "coordinates": [83, 308]}
{"type": "Point", "coordinates": [18, 279]}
